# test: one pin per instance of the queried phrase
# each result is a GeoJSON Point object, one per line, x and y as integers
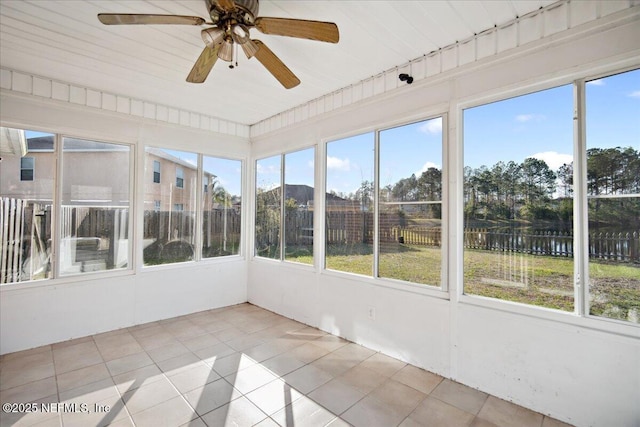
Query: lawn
{"type": "Point", "coordinates": [538, 280]}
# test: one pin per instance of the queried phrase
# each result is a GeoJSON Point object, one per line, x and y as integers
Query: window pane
{"type": "Point", "coordinates": [613, 188]}
{"type": "Point", "coordinates": [349, 204]}
{"type": "Point", "coordinates": [268, 204]}
{"type": "Point", "coordinates": [410, 199]}
{"type": "Point", "coordinates": [221, 204]}
{"type": "Point", "coordinates": [298, 206]}
{"type": "Point", "coordinates": [169, 232]}
{"type": "Point", "coordinates": [94, 206]}
{"type": "Point", "coordinates": [518, 208]}
{"type": "Point", "coordinates": [25, 205]}
{"type": "Point", "coordinates": [156, 171]}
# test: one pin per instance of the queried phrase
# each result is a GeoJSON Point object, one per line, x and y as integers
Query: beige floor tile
{"type": "Point", "coordinates": [250, 378]}
{"type": "Point", "coordinates": [137, 378]}
{"type": "Point", "coordinates": [267, 422]}
{"type": "Point", "coordinates": [336, 396]}
{"type": "Point", "coordinates": [233, 363]}
{"type": "Point", "coordinates": [30, 392]}
{"type": "Point", "coordinates": [479, 422]}
{"type": "Point", "coordinates": [402, 398]}
{"type": "Point", "coordinates": [83, 376]}
{"type": "Point", "coordinates": [363, 379]}
{"type": "Point", "coordinates": [435, 413]}
{"type": "Point", "coordinates": [39, 418]}
{"type": "Point", "coordinates": [14, 373]}
{"type": "Point", "coordinates": [330, 342]}
{"type": "Point", "coordinates": [309, 352]}
{"type": "Point", "coordinates": [128, 363]}
{"type": "Point", "coordinates": [77, 356]}
{"type": "Point", "coordinates": [505, 414]}
{"type": "Point", "coordinates": [212, 396]}
{"type": "Point", "coordinates": [159, 339]}
{"type": "Point", "coordinates": [98, 413]}
{"type": "Point", "coordinates": [272, 397]}
{"type": "Point", "coordinates": [335, 365]}
{"type": "Point", "coordinates": [462, 397]}
{"type": "Point", "coordinates": [307, 378]}
{"type": "Point", "coordinates": [117, 346]}
{"type": "Point", "coordinates": [200, 342]}
{"type": "Point", "coordinates": [180, 363]}
{"type": "Point", "coordinates": [303, 412]}
{"type": "Point", "coordinates": [238, 412]}
{"type": "Point", "coordinates": [214, 352]}
{"type": "Point", "coordinates": [244, 342]}
{"type": "Point", "coordinates": [282, 364]}
{"type": "Point", "coordinates": [417, 378]}
{"type": "Point", "coordinates": [228, 334]}
{"type": "Point", "coordinates": [25, 353]}
{"type": "Point", "coordinates": [383, 364]}
{"type": "Point", "coordinates": [148, 396]}
{"type": "Point", "coordinates": [90, 393]}
{"type": "Point", "coordinates": [354, 352]}
{"type": "Point", "coordinates": [370, 412]}
{"type": "Point", "coordinates": [173, 412]}
{"type": "Point", "coordinates": [146, 330]}
{"type": "Point", "coordinates": [189, 379]}
{"type": "Point", "coordinates": [167, 351]}
{"type": "Point", "coordinates": [197, 422]}
{"type": "Point", "coordinates": [263, 351]}
{"type": "Point", "coordinates": [184, 329]}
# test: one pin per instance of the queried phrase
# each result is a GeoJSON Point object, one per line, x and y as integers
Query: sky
{"type": "Point", "coordinates": [536, 125]}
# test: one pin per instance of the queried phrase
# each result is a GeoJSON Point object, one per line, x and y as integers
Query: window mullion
{"type": "Point", "coordinates": [282, 210]}
{"type": "Point", "coordinates": [56, 208]}
{"type": "Point", "coordinates": [376, 207]}
{"type": "Point", "coordinates": [580, 222]}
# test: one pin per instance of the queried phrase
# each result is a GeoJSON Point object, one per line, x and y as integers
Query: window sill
{"type": "Point", "coordinates": [600, 324]}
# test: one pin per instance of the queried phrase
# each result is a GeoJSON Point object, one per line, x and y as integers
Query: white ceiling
{"type": "Point", "coordinates": [63, 40]}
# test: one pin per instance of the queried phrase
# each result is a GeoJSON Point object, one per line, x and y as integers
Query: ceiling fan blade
{"type": "Point", "coordinates": [226, 5]}
{"type": "Point", "coordinates": [313, 30]}
{"type": "Point", "coordinates": [275, 66]}
{"type": "Point", "coordinates": [203, 65]}
{"type": "Point", "coordinates": [136, 19]}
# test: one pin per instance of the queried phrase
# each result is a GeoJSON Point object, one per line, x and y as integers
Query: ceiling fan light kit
{"type": "Point", "coordinates": [230, 23]}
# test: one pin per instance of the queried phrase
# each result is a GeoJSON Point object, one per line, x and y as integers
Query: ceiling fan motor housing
{"type": "Point", "coordinates": [245, 11]}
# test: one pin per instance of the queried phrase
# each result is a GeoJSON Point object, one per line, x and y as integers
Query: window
{"type": "Point", "coordinates": [221, 207]}
{"type": "Point", "coordinates": [95, 205]}
{"type": "Point", "coordinates": [298, 205]}
{"type": "Point", "coordinates": [410, 203]}
{"type": "Point", "coordinates": [179, 177]}
{"type": "Point", "coordinates": [613, 195]}
{"type": "Point", "coordinates": [518, 203]}
{"type": "Point", "coordinates": [268, 207]}
{"type": "Point", "coordinates": [26, 205]}
{"type": "Point", "coordinates": [349, 204]}
{"type": "Point", "coordinates": [156, 205]}
{"type": "Point", "coordinates": [156, 171]}
{"type": "Point", "coordinates": [27, 166]}
{"type": "Point", "coordinates": [169, 232]}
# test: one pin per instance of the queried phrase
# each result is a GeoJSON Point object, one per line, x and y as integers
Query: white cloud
{"type": "Point", "coordinates": [635, 94]}
{"type": "Point", "coordinates": [425, 167]}
{"type": "Point", "coordinates": [433, 126]}
{"type": "Point", "coordinates": [598, 82]}
{"type": "Point", "coordinates": [338, 164]}
{"type": "Point", "coordinates": [554, 159]}
{"type": "Point", "coordinates": [271, 169]}
{"type": "Point", "coordinates": [522, 118]}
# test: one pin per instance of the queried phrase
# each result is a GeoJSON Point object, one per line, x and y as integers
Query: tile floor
{"type": "Point", "coordinates": [236, 366]}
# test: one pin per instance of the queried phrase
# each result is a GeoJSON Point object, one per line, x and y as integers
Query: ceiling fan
{"type": "Point", "coordinates": [230, 23]}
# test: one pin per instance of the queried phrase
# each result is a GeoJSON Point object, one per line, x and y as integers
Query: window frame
{"type": "Point", "coordinates": [32, 169]}
{"type": "Point", "coordinates": [158, 172]}
{"type": "Point", "coordinates": [282, 238]}
{"type": "Point", "coordinates": [180, 176]}
{"type": "Point", "coordinates": [580, 315]}
{"type": "Point", "coordinates": [441, 291]}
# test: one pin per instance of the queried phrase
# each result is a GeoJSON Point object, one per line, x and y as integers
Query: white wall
{"type": "Point", "coordinates": [37, 313]}
{"type": "Point", "coordinates": [580, 370]}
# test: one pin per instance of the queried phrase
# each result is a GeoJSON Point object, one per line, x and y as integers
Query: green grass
{"type": "Point", "coordinates": [537, 280]}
